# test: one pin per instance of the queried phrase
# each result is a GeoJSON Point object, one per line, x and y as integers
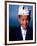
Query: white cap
{"type": "Point", "coordinates": [23, 11]}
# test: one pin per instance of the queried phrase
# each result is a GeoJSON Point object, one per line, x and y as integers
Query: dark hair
{"type": "Point", "coordinates": [28, 16]}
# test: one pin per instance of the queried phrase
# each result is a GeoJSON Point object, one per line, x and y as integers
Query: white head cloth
{"type": "Point", "coordinates": [22, 11]}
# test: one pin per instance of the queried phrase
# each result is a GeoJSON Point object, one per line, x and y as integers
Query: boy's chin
{"type": "Point", "coordinates": [24, 27]}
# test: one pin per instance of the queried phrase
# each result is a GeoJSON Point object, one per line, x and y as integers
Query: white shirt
{"type": "Point", "coordinates": [23, 33]}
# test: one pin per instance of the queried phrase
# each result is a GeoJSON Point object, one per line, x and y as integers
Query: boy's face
{"type": "Point", "coordinates": [24, 20]}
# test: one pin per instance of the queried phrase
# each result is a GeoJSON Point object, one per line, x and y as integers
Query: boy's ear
{"type": "Point", "coordinates": [18, 19]}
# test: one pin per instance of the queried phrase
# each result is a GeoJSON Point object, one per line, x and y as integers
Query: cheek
{"type": "Point", "coordinates": [21, 22]}
{"type": "Point", "coordinates": [27, 22]}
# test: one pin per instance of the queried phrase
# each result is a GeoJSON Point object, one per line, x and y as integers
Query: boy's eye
{"type": "Point", "coordinates": [22, 19]}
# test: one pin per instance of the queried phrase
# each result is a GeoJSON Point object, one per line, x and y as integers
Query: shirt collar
{"type": "Point", "coordinates": [23, 31]}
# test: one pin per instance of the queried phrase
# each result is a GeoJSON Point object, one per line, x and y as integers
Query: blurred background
{"type": "Point", "coordinates": [13, 15]}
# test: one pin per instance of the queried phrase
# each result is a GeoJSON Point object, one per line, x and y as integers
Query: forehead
{"type": "Point", "coordinates": [23, 16]}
